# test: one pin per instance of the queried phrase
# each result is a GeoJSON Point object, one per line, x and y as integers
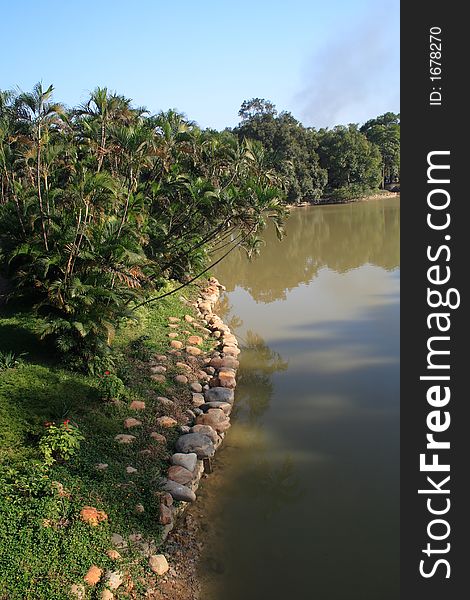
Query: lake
{"type": "Point", "coordinates": [304, 498]}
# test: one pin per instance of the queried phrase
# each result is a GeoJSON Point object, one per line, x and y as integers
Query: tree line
{"type": "Point", "coordinates": [344, 162]}
{"type": "Point", "coordinates": [103, 204]}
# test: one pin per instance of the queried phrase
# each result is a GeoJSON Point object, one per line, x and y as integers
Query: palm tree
{"type": "Point", "coordinates": [40, 115]}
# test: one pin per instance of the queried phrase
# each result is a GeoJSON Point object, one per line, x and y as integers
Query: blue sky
{"type": "Point", "coordinates": [327, 62]}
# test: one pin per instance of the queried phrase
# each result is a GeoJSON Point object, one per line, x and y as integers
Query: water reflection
{"type": "Point", "coordinates": [339, 237]}
{"type": "Point", "coordinates": [304, 498]}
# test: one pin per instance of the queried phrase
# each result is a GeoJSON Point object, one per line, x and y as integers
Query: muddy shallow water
{"type": "Point", "coordinates": [304, 498]}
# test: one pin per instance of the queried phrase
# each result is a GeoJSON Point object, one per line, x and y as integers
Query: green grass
{"type": "Point", "coordinates": [44, 546]}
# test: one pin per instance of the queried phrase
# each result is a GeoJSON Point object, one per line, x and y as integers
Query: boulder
{"type": "Point", "coordinates": [206, 430]}
{"type": "Point", "coordinates": [198, 443]}
{"type": "Point", "coordinates": [188, 461]}
{"type": "Point", "coordinates": [180, 474]}
{"type": "Point", "coordinates": [225, 406]}
{"type": "Point", "coordinates": [216, 418]}
{"type": "Point", "coordinates": [178, 491]}
{"type": "Point", "coordinates": [220, 394]}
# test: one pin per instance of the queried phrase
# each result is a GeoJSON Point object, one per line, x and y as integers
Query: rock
{"type": "Point", "coordinates": [188, 318]}
{"type": "Point", "coordinates": [188, 461]}
{"type": "Point", "coordinates": [158, 369]}
{"type": "Point", "coordinates": [180, 474]}
{"type": "Point", "coordinates": [113, 554]}
{"type": "Point", "coordinates": [118, 541]}
{"type": "Point", "coordinates": [198, 400]}
{"type": "Point", "coordinates": [195, 340]}
{"type": "Point", "coordinates": [191, 414]}
{"type": "Point", "coordinates": [165, 401]}
{"type": "Point", "coordinates": [158, 378]}
{"type": "Point", "coordinates": [131, 422]}
{"type": "Point", "coordinates": [167, 422]}
{"type": "Point", "coordinates": [158, 564]}
{"type": "Point", "coordinates": [137, 405]}
{"type": "Point", "coordinates": [206, 430]}
{"type": "Point", "coordinates": [139, 509]}
{"type": "Point", "coordinates": [214, 382]}
{"type": "Point", "coordinates": [197, 411]}
{"type": "Point", "coordinates": [196, 387]}
{"type": "Point", "coordinates": [130, 470]}
{"type": "Point", "coordinates": [78, 591]}
{"type": "Point", "coordinates": [216, 418]}
{"type": "Point", "coordinates": [205, 308]}
{"type": "Point", "coordinates": [158, 437]}
{"type": "Point", "coordinates": [198, 443]}
{"type": "Point", "coordinates": [231, 351]}
{"type": "Point", "coordinates": [173, 335]}
{"type": "Point", "coordinates": [225, 406]}
{"type": "Point", "coordinates": [185, 429]}
{"type": "Point", "coordinates": [93, 575]}
{"type": "Point", "coordinates": [174, 319]}
{"type": "Point", "coordinates": [113, 579]}
{"type": "Point", "coordinates": [216, 334]}
{"type": "Point", "coordinates": [182, 365]}
{"type": "Point", "coordinates": [107, 595]}
{"type": "Point", "coordinates": [176, 344]}
{"type": "Point", "coordinates": [135, 537]}
{"type": "Point", "coordinates": [161, 357]}
{"type": "Point", "coordinates": [210, 370]}
{"type": "Point", "coordinates": [229, 362]}
{"type": "Point", "coordinates": [220, 394]}
{"type": "Point", "coordinates": [165, 515]}
{"type": "Point", "coordinates": [181, 379]}
{"type": "Point", "coordinates": [179, 492]}
{"type": "Point", "coordinates": [227, 380]}
{"type": "Point", "coordinates": [101, 466]}
{"type": "Point", "coordinates": [92, 516]}
{"type": "Point", "coordinates": [173, 325]}
{"type": "Point", "coordinates": [166, 498]}
{"type": "Point", "coordinates": [193, 350]}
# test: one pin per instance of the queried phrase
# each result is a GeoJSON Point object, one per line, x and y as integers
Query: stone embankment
{"type": "Point", "coordinates": [212, 405]}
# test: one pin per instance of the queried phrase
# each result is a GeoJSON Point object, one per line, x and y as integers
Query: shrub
{"type": "Point", "coordinates": [111, 386]}
{"type": "Point", "coordinates": [60, 442]}
{"type": "Point", "coordinates": [350, 192]}
{"type": "Point", "coordinates": [10, 360]}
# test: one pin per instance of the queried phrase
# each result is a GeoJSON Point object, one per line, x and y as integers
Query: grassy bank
{"type": "Point", "coordinates": [45, 547]}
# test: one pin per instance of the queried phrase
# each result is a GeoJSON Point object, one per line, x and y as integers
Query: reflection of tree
{"type": "Point", "coordinates": [276, 485]}
{"type": "Point", "coordinates": [340, 237]}
{"type": "Point", "coordinates": [258, 363]}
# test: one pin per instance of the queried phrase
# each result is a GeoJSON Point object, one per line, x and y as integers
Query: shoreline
{"type": "Point", "coordinates": [181, 538]}
{"type": "Point", "coordinates": [330, 201]}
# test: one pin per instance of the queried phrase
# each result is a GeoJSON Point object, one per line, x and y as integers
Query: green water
{"type": "Point", "coordinates": [304, 500]}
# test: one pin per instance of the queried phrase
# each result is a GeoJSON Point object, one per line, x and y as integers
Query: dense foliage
{"type": "Point", "coordinates": [350, 159]}
{"type": "Point", "coordinates": [290, 148]}
{"type": "Point", "coordinates": [342, 163]}
{"type": "Point", "coordinates": [102, 204]}
{"type": "Point", "coordinates": [384, 132]}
